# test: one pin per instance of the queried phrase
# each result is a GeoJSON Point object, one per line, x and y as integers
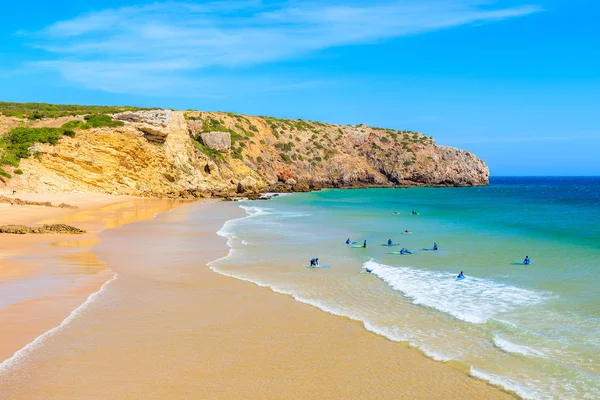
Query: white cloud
{"type": "Point", "coordinates": [527, 139]}
{"type": "Point", "coordinates": [122, 49]}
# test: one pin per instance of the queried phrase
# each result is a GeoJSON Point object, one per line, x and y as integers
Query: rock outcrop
{"type": "Point", "coordinates": [157, 153]}
{"type": "Point", "coordinates": [53, 228]}
{"type": "Point", "coordinates": [19, 202]}
{"type": "Point", "coordinates": [220, 141]}
{"type": "Point", "coordinates": [248, 184]}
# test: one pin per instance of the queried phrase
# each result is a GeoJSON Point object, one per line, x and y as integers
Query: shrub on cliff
{"type": "Point", "coordinates": [18, 141]}
{"type": "Point", "coordinates": [93, 121]}
{"type": "Point", "coordinates": [100, 120]}
{"type": "Point", "coordinates": [43, 110]}
{"type": "Point", "coordinates": [212, 153]}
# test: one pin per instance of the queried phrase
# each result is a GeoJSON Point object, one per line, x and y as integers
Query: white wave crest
{"type": "Point", "coordinates": [510, 347]}
{"type": "Point", "coordinates": [472, 300]}
{"type": "Point", "coordinates": [509, 384]}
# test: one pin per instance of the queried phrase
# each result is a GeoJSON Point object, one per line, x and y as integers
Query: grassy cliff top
{"type": "Point", "coordinates": [45, 110]}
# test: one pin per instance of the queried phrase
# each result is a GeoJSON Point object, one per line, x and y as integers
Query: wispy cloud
{"type": "Point", "coordinates": [160, 46]}
{"type": "Point", "coordinates": [526, 139]}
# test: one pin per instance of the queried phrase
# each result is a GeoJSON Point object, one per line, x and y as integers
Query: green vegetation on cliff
{"type": "Point", "coordinates": [93, 121]}
{"type": "Point", "coordinates": [212, 153]}
{"type": "Point", "coordinates": [44, 110]}
{"type": "Point", "coordinates": [16, 144]}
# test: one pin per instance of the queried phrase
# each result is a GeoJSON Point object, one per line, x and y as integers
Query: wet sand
{"type": "Point", "coordinates": [168, 327]}
{"type": "Point", "coordinates": [43, 278]}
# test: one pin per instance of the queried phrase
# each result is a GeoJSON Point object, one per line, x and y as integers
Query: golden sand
{"type": "Point", "coordinates": [167, 327]}
{"type": "Point", "coordinates": [27, 259]}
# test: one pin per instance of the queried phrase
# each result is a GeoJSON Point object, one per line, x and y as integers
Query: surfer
{"type": "Point", "coordinates": [526, 261]}
{"type": "Point", "coordinates": [365, 244]}
{"type": "Point", "coordinates": [348, 241]}
{"type": "Point", "coordinates": [461, 275]}
{"type": "Point", "coordinates": [368, 270]}
{"type": "Point", "coordinates": [406, 232]}
{"type": "Point", "coordinates": [314, 262]}
{"type": "Point", "coordinates": [435, 246]}
{"type": "Point", "coordinates": [389, 242]}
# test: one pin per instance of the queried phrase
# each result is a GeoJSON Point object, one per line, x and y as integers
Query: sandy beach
{"type": "Point", "coordinates": [166, 326]}
{"type": "Point", "coordinates": [45, 277]}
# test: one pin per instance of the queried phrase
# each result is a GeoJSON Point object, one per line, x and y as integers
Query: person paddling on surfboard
{"type": "Point", "coordinates": [389, 242]}
{"type": "Point", "coordinates": [365, 244]}
{"type": "Point", "coordinates": [461, 275]}
{"type": "Point", "coordinates": [348, 241]}
{"type": "Point", "coordinates": [526, 261]}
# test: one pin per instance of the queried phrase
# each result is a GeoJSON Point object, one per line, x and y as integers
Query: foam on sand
{"type": "Point", "coordinates": [26, 352]}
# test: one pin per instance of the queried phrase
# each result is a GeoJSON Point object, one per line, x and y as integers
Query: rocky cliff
{"type": "Point", "coordinates": [175, 153]}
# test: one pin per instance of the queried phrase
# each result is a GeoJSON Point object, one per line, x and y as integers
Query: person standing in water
{"type": "Point", "coordinates": [365, 244]}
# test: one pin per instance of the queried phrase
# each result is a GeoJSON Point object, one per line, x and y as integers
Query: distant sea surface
{"type": "Point", "coordinates": [533, 329]}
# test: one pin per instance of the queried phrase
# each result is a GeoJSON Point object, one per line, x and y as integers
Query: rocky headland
{"type": "Point", "coordinates": [189, 154]}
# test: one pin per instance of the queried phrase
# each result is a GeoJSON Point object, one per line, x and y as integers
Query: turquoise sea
{"type": "Point", "coordinates": [532, 329]}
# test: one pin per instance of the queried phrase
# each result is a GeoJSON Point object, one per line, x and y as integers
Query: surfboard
{"type": "Point", "coordinates": [460, 278]}
{"type": "Point", "coordinates": [400, 254]}
{"type": "Point", "coordinates": [393, 244]}
{"type": "Point", "coordinates": [357, 246]}
{"type": "Point", "coordinates": [406, 233]}
{"type": "Point", "coordinates": [318, 266]}
{"type": "Point", "coordinates": [364, 272]}
{"type": "Point", "coordinates": [521, 263]}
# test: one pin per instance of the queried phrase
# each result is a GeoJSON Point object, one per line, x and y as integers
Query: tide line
{"type": "Point", "coordinates": [23, 354]}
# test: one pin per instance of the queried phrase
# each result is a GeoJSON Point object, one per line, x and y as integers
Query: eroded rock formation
{"type": "Point", "coordinates": [158, 153]}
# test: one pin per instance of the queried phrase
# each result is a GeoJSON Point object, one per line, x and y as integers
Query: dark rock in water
{"type": "Point", "coordinates": [53, 228]}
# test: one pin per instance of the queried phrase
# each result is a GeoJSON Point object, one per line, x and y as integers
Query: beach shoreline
{"type": "Point", "coordinates": [246, 340]}
{"type": "Point", "coordinates": [44, 278]}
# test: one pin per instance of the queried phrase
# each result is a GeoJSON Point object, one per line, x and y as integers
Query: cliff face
{"type": "Point", "coordinates": [164, 153]}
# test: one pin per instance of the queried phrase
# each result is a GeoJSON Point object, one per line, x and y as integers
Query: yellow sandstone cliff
{"type": "Point", "coordinates": [164, 153]}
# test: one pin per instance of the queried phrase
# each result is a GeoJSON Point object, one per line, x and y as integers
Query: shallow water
{"type": "Point", "coordinates": [533, 329]}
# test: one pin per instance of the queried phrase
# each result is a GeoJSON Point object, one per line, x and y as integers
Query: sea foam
{"type": "Point", "coordinates": [472, 300]}
{"type": "Point", "coordinates": [27, 352]}
{"type": "Point", "coordinates": [514, 348]}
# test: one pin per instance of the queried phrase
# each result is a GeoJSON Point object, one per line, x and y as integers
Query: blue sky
{"type": "Point", "coordinates": [516, 82]}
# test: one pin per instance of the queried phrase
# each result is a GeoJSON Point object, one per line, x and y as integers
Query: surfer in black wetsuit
{"type": "Point", "coordinates": [526, 261]}
{"type": "Point", "coordinates": [365, 244]}
{"type": "Point", "coordinates": [348, 241]}
{"type": "Point", "coordinates": [461, 275]}
{"type": "Point", "coordinates": [389, 242]}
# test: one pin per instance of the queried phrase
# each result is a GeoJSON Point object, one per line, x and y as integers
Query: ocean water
{"type": "Point", "coordinates": [532, 329]}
